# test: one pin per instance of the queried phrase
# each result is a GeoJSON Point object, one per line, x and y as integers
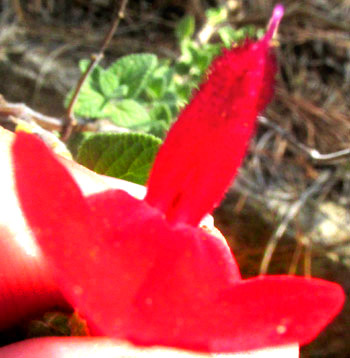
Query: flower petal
{"type": "Point", "coordinates": [135, 276]}
{"type": "Point", "coordinates": [53, 205]}
{"type": "Point", "coordinates": [144, 264]}
{"type": "Point", "coordinates": [108, 250]}
{"type": "Point", "coordinates": [252, 314]}
{"type": "Point", "coordinates": [177, 286]}
{"type": "Point", "coordinates": [206, 145]}
{"type": "Point", "coordinates": [269, 311]}
{"type": "Point", "coordinates": [52, 202]}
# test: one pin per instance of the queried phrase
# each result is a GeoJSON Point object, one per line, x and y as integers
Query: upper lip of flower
{"type": "Point", "coordinates": [207, 143]}
{"type": "Point", "coordinates": [142, 270]}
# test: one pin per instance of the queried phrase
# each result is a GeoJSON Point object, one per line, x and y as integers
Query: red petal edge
{"type": "Point", "coordinates": [275, 310]}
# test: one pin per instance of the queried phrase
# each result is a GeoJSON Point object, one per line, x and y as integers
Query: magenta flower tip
{"type": "Point", "coordinates": [278, 11]}
{"type": "Point", "coordinates": [275, 20]}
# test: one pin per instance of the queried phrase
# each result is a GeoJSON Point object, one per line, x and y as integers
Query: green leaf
{"type": "Point", "coordinates": [185, 47]}
{"type": "Point", "coordinates": [93, 79]}
{"type": "Point", "coordinates": [202, 57]}
{"type": "Point", "coordinates": [159, 129]}
{"type": "Point", "coordinates": [84, 64]}
{"type": "Point", "coordinates": [89, 104]}
{"type": "Point", "coordinates": [127, 113]}
{"type": "Point", "coordinates": [108, 82]}
{"type": "Point", "coordinates": [161, 112]}
{"type": "Point", "coordinates": [182, 68]}
{"type": "Point", "coordinates": [75, 141]}
{"type": "Point", "coordinates": [121, 91]}
{"type": "Point", "coordinates": [216, 16]}
{"type": "Point", "coordinates": [90, 100]}
{"type": "Point", "coordinates": [172, 100]}
{"type": "Point", "coordinates": [134, 71]}
{"type": "Point", "coordinates": [159, 81]}
{"type": "Point", "coordinates": [51, 324]}
{"type": "Point", "coordinates": [185, 28]}
{"type": "Point", "coordinates": [227, 35]}
{"type": "Point", "coordinates": [127, 156]}
{"type": "Point", "coordinates": [184, 91]}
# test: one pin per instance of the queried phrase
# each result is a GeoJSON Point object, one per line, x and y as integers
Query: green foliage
{"type": "Point", "coordinates": [216, 16]}
{"type": "Point", "coordinates": [76, 140]}
{"type": "Point", "coordinates": [51, 324]}
{"type": "Point", "coordinates": [185, 28]}
{"type": "Point", "coordinates": [228, 35]}
{"type": "Point", "coordinates": [135, 92]}
{"type": "Point", "coordinates": [144, 94]}
{"type": "Point", "coordinates": [57, 324]}
{"type": "Point", "coordinates": [196, 57]}
{"type": "Point", "coordinates": [133, 71]}
{"type": "Point", "coordinates": [127, 156]}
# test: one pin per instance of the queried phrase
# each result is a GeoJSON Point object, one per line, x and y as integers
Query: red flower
{"type": "Point", "coordinates": [143, 271]}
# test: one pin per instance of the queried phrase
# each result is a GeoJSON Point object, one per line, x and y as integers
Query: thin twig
{"type": "Point", "coordinates": [10, 113]}
{"type": "Point", "coordinates": [312, 153]}
{"type": "Point", "coordinates": [292, 212]}
{"type": "Point", "coordinates": [295, 258]}
{"type": "Point", "coordinates": [22, 111]}
{"type": "Point", "coordinates": [95, 59]}
{"type": "Point", "coordinates": [307, 261]}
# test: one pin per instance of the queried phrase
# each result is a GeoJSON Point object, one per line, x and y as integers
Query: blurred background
{"type": "Point", "coordinates": [288, 211]}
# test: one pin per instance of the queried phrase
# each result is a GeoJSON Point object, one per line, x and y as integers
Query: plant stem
{"type": "Point", "coordinates": [95, 59]}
